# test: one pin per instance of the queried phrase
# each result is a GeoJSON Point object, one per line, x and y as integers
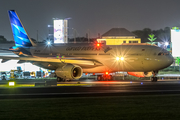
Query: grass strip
{"type": "Point", "coordinates": [153, 107]}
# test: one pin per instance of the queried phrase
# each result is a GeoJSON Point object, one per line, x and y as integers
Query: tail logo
{"type": "Point", "coordinates": [20, 35]}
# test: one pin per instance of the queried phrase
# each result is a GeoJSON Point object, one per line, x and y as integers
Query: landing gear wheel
{"type": "Point", "coordinates": [59, 79]}
{"type": "Point", "coordinates": [110, 77]}
{"type": "Point", "coordinates": [154, 79]}
{"type": "Point", "coordinates": [106, 79]}
{"type": "Point", "coordinates": [99, 78]}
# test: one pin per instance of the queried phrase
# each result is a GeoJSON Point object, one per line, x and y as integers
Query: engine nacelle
{"type": "Point", "coordinates": [140, 74]}
{"type": "Point", "coordinates": [69, 72]}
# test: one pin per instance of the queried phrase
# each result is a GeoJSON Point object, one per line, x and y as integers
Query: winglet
{"type": "Point", "coordinates": [20, 35]}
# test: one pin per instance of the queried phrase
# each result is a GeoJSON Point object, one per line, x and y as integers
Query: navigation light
{"type": "Point", "coordinates": [98, 44]}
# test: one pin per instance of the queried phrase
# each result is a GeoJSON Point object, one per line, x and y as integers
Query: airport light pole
{"type": "Point", "coordinates": [88, 35]}
{"type": "Point", "coordinates": [74, 33]}
{"type": "Point", "coordinates": [37, 36]}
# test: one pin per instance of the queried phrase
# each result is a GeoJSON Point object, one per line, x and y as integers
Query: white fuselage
{"type": "Point", "coordinates": [137, 58]}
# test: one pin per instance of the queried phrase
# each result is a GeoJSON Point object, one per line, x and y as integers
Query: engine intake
{"type": "Point", "coordinates": [69, 71]}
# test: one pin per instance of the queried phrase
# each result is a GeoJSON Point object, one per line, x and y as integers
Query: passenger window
{"type": "Point", "coordinates": [161, 53]}
{"type": "Point", "coordinates": [166, 53]}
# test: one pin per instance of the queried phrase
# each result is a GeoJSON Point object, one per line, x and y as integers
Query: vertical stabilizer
{"type": "Point", "coordinates": [20, 35]}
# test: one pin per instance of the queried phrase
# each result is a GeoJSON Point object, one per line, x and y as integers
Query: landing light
{"type": "Point", "coordinates": [122, 58]}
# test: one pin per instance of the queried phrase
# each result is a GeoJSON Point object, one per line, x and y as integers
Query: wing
{"type": "Point", "coordinates": [81, 62]}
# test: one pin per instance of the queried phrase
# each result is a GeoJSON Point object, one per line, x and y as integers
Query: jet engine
{"type": "Point", "coordinates": [69, 72]}
{"type": "Point", "coordinates": [140, 74]}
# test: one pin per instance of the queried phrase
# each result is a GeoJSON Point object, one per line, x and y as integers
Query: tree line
{"type": "Point", "coordinates": [162, 35]}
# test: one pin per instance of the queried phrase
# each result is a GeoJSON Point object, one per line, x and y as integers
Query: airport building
{"type": "Point", "coordinates": [60, 31]}
{"type": "Point", "coordinates": [175, 39]}
{"type": "Point", "coordinates": [117, 36]}
{"type": "Point", "coordinates": [8, 66]}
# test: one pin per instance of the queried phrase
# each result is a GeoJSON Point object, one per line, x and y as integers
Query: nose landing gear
{"type": "Point", "coordinates": [154, 78]}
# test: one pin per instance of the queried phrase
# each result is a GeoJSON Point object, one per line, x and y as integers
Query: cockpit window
{"type": "Point", "coordinates": [163, 53]}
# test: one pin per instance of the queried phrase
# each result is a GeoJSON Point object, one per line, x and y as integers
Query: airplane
{"type": "Point", "coordinates": [71, 60]}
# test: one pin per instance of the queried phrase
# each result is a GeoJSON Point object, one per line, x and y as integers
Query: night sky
{"type": "Point", "coordinates": [96, 15]}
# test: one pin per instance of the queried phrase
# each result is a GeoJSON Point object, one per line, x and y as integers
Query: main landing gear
{"type": "Point", "coordinates": [104, 77]}
{"type": "Point", "coordinates": [59, 79]}
{"type": "Point", "coordinates": [154, 78]}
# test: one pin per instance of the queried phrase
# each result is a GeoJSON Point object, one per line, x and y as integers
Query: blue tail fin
{"type": "Point", "coordinates": [20, 35]}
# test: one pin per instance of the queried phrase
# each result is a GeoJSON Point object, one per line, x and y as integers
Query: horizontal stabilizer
{"type": "Point", "coordinates": [21, 61]}
{"type": "Point", "coordinates": [5, 60]}
{"type": "Point", "coordinates": [5, 49]}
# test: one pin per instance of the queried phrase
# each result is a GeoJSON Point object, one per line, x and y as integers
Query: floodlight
{"type": "Point", "coordinates": [48, 42]}
{"type": "Point", "coordinates": [166, 43]}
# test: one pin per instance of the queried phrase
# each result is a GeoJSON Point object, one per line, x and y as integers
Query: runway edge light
{"type": "Point", "coordinates": [11, 83]}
